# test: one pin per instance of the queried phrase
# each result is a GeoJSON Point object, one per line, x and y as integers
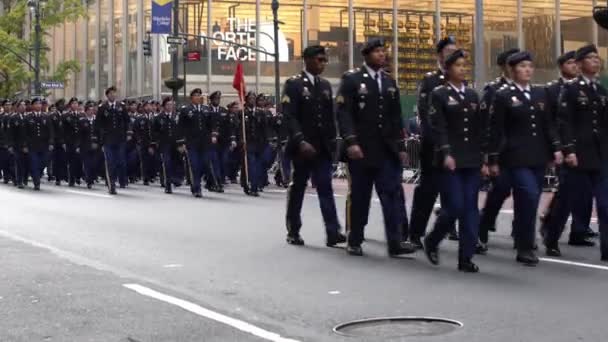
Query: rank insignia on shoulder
{"type": "Point", "coordinates": [339, 99]}
{"type": "Point", "coordinates": [285, 99]}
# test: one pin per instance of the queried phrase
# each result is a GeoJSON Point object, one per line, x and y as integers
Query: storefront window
{"type": "Point", "coordinates": [328, 26]}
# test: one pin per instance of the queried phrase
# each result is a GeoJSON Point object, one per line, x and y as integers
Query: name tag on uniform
{"type": "Point", "coordinates": [452, 101]}
{"type": "Point", "coordinates": [515, 101]}
{"type": "Point", "coordinates": [362, 89]}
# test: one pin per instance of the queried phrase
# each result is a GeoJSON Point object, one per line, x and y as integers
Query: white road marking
{"type": "Point", "coordinates": [173, 266]}
{"type": "Point", "coordinates": [574, 263]}
{"type": "Point", "coordinates": [275, 191]}
{"type": "Point", "coordinates": [334, 292]}
{"type": "Point", "coordinates": [199, 310]}
{"type": "Point", "coordinates": [88, 194]}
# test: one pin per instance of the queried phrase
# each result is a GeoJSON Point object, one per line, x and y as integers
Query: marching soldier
{"type": "Point", "coordinates": [39, 140]}
{"type": "Point", "coordinates": [426, 192]}
{"type": "Point", "coordinates": [57, 161]}
{"type": "Point", "coordinates": [142, 130]}
{"type": "Point", "coordinates": [501, 188]}
{"type": "Point", "coordinates": [88, 142]}
{"type": "Point", "coordinates": [113, 123]}
{"type": "Point", "coordinates": [254, 143]}
{"type": "Point", "coordinates": [559, 210]}
{"type": "Point", "coordinates": [263, 104]}
{"type": "Point", "coordinates": [217, 115]}
{"type": "Point", "coordinates": [166, 136]}
{"type": "Point", "coordinates": [5, 155]}
{"type": "Point", "coordinates": [233, 156]}
{"type": "Point", "coordinates": [70, 127]}
{"type": "Point", "coordinates": [17, 143]}
{"type": "Point", "coordinates": [283, 174]}
{"type": "Point", "coordinates": [458, 132]}
{"type": "Point", "coordinates": [228, 129]}
{"type": "Point", "coordinates": [523, 140]}
{"type": "Point", "coordinates": [369, 116]}
{"type": "Point", "coordinates": [132, 152]}
{"type": "Point", "coordinates": [310, 121]}
{"type": "Point", "coordinates": [583, 130]}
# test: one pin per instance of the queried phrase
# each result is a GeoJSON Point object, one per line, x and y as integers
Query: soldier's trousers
{"type": "Point", "coordinates": [213, 169]}
{"type": "Point", "coordinates": [148, 164]}
{"type": "Point", "coordinates": [38, 160]}
{"type": "Point", "coordinates": [495, 198]}
{"type": "Point", "coordinates": [21, 164]}
{"type": "Point", "coordinates": [59, 164]}
{"type": "Point", "coordinates": [198, 160]}
{"type": "Point", "coordinates": [133, 164]}
{"type": "Point", "coordinates": [362, 178]}
{"type": "Point", "coordinates": [320, 170]}
{"type": "Point", "coordinates": [232, 162]}
{"type": "Point", "coordinates": [254, 169]}
{"type": "Point", "coordinates": [267, 159]}
{"type": "Point", "coordinates": [116, 163]}
{"type": "Point", "coordinates": [7, 175]}
{"type": "Point", "coordinates": [92, 161]}
{"type": "Point", "coordinates": [527, 184]}
{"type": "Point", "coordinates": [459, 191]}
{"type": "Point", "coordinates": [74, 164]}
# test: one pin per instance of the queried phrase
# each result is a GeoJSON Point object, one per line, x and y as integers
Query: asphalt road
{"type": "Point", "coordinates": [79, 265]}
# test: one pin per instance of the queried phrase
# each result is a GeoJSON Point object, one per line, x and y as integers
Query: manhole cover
{"type": "Point", "coordinates": [393, 327]}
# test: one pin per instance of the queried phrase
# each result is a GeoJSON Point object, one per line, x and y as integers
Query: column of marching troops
{"type": "Point", "coordinates": [508, 136]}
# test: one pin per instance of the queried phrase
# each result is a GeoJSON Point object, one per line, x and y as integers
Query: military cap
{"type": "Point", "coordinates": [233, 104]}
{"type": "Point", "coordinates": [313, 50]}
{"type": "Point", "coordinates": [582, 52]}
{"type": "Point", "coordinates": [196, 92]}
{"type": "Point", "coordinates": [501, 60]}
{"type": "Point", "coordinates": [445, 42]}
{"type": "Point", "coordinates": [371, 46]}
{"type": "Point", "coordinates": [36, 100]}
{"type": "Point", "coordinates": [44, 101]}
{"type": "Point", "coordinates": [167, 99]}
{"type": "Point", "coordinates": [73, 99]}
{"type": "Point", "coordinates": [215, 94]}
{"type": "Point", "coordinates": [261, 96]}
{"type": "Point", "coordinates": [454, 56]}
{"type": "Point", "coordinates": [519, 57]}
{"type": "Point", "coordinates": [249, 94]}
{"type": "Point", "coordinates": [561, 60]}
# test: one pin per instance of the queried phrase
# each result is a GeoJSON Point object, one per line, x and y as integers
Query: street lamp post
{"type": "Point", "coordinates": [275, 10]}
{"type": "Point", "coordinates": [35, 7]}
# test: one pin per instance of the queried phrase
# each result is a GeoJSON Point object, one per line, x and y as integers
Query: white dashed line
{"type": "Point", "coordinates": [199, 310]}
{"type": "Point", "coordinates": [88, 194]}
{"type": "Point", "coordinates": [574, 263]}
{"type": "Point", "coordinates": [173, 266]}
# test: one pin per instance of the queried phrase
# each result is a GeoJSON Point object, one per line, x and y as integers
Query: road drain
{"type": "Point", "coordinates": [393, 327]}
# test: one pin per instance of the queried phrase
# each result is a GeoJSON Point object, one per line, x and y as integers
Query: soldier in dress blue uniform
{"type": "Point", "coordinates": [215, 178]}
{"type": "Point", "coordinates": [7, 174]}
{"type": "Point", "coordinates": [559, 210]}
{"type": "Point", "coordinates": [523, 140]}
{"type": "Point", "coordinates": [369, 116]}
{"type": "Point", "coordinates": [113, 122]}
{"type": "Point", "coordinates": [70, 129]}
{"type": "Point", "coordinates": [142, 130]}
{"type": "Point", "coordinates": [39, 140]}
{"type": "Point", "coordinates": [309, 118]}
{"type": "Point", "coordinates": [458, 132]}
{"type": "Point", "coordinates": [584, 133]}
{"type": "Point", "coordinates": [228, 129]}
{"type": "Point", "coordinates": [233, 156]}
{"type": "Point", "coordinates": [256, 140]}
{"type": "Point", "coordinates": [500, 188]}
{"type": "Point", "coordinates": [283, 174]}
{"type": "Point", "coordinates": [167, 137]}
{"type": "Point", "coordinates": [88, 142]}
{"type": "Point", "coordinates": [133, 162]}
{"type": "Point", "coordinates": [17, 143]}
{"type": "Point", "coordinates": [57, 161]}
{"type": "Point", "coordinates": [427, 190]}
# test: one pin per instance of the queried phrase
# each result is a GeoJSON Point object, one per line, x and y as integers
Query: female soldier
{"type": "Point", "coordinates": [457, 131]}
{"type": "Point", "coordinates": [523, 140]}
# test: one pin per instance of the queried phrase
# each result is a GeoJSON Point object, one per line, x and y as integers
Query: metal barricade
{"type": "Point", "coordinates": [411, 173]}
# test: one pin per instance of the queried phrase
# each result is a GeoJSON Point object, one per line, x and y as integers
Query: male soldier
{"type": "Point", "coordinates": [228, 129]}
{"type": "Point", "coordinates": [263, 104]}
{"type": "Point", "coordinates": [143, 135]}
{"type": "Point", "coordinates": [57, 160]}
{"type": "Point", "coordinates": [584, 133]}
{"type": "Point", "coordinates": [39, 140]}
{"type": "Point", "coordinates": [218, 114]}
{"type": "Point", "coordinates": [255, 139]}
{"type": "Point", "coordinates": [427, 190]}
{"type": "Point", "coordinates": [16, 139]}
{"type": "Point", "coordinates": [232, 157]}
{"type": "Point", "coordinates": [7, 175]}
{"type": "Point", "coordinates": [369, 116]}
{"type": "Point", "coordinates": [283, 174]}
{"type": "Point", "coordinates": [88, 143]}
{"type": "Point", "coordinates": [133, 163]}
{"type": "Point", "coordinates": [501, 188]}
{"type": "Point", "coordinates": [113, 122]}
{"type": "Point", "coordinates": [310, 120]}
{"type": "Point", "coordinates": [558, 210]}
{"type": "Point", "coordinates": [165, 135]}
{"type": "Point", "coordinates": [70, 128]}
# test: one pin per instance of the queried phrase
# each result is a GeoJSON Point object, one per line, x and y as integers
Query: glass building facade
{"type": "Point", "coordinates": [108, 41]}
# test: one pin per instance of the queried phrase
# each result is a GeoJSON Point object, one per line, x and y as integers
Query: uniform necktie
{"type": "Point", "coordinates": [378, 81]}
{"type": "Point", "coordinates": [317, 81]}
{"type": "Point", "coordinates": [461, 94]}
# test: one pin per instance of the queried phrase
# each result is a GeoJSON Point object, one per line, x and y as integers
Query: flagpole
{"type": "Point", "coordinates": [244, 136]}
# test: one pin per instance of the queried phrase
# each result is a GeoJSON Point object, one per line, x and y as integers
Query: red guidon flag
{"type": "Point", "coordinates": [239, 82]}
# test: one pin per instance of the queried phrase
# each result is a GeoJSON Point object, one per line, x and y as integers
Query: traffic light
{"type": "Point", "coordinates": [147, 49]}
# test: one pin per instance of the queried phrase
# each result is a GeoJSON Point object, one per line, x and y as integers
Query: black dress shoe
{"type": "Point", "coordinates": [112, 191]}
{"type": "Point", "coordinates": [57, 183]}
{"type": "Point", "coordinates": [431, 252]}
{"type": "Point", "coordinates": [354, 250]}
{"type": "Point", "coordinates": [581, 241]}
{"type": "Point", "coordinates": [220, 189]}
{"type": "Point", "coordinates": [146, 182]}
{"type": "Point", "coordinates": [492, 228]}
{"type": "Point", "coordinates": [20, 186]}
{"type": "Point", "coordinates": [89, 186]}
{"type": "Point", "coordinates": [453, 235]}
{"type": "Point", "coordinates": [295, 240]}
{"type": "Point", "coordinates": [553, 251]}
{"type": "Point", "coordinates": [591, 234]}
{"type": "Point", "coordinates": [481, 248]}
{"type": "Point", "coordinates": [417, 242]}
{"type": "Point", "coordinates": [37, 187]}
{"type": "Point", "coordinates": [255, 194]}
{"type": "Point", "coordinates": [168, 190]}
{"type": "Point", "coordinates": [402, 248]}
{"type": "Point", "coordinates": [71, 184]}
{"type": "Point", "coordinates": [467, 266]}
{"type": "Point", "coordinates": [198, 194]}
{"type": "Point", "coordinates": [335, 239]}
{"type": "Point", "coordinates": [528, 258]}
{"type": "Point", "coordinates": [605, 258]}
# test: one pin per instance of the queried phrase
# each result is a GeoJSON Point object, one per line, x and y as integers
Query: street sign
{"type": "Point", "coordinates": [193, 56]}
{"type": "Point", "coordinates": [176, 40]}
{"type": "Point", "coordinates": [51, 85]}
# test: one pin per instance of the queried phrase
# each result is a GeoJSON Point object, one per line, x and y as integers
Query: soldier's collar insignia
{"type": "Point", "coordinates": [365, 75]}
{"type": "Point", "coordinates": [285, 99]}
{"type": "Point", "coordinates": [582, 83]}
{"type": "Point", "coordinates": [363, 89]}
{"type": "Point", "coordinates": [441, 77]}
{"type": "Point", "coordinates": [339, 99]}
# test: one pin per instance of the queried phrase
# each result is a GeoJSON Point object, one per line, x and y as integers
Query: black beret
{"type": "Point", "coordinates": [519, 57]}
{"type": "Point", "coordinates": [196, 91]}
{"type": "Point", "coordinates": [261, 96]}
{"type": "Point", "coordinates": [313, 50]}
{"type": "Point", "coordinates": [167, 99]}
{"type": "Point", "coordinates": [233, 104]}
{"type": "Point", "coordinates": [566, 57]}
{"type": "Point", "coordinates": [150, 102]}
{"type": "Point", "coordinates": [249, 94]}
{"type": "Point", "coordinates": [131, 102]}
{"type": "Point", "coordinates": [454, 56]}
{"type": "Point", "coordinates": [582, 52]}
{"type": "Point", "coordinates": [445, 42]}
{"type": "Point", "coordinates": [44, 101]}
{"type": "Point", "coordinates": [73, 99]}
{"type": "Point", "coordinates": [501, 60]}
{"type": "Point", "coordinates": [25, 102]}
{"type": "Point", "coordinates": [89, 104]}
{"type": "Point", "coordinates": [216, 93]}
{"type": "Point", "coordinates": [112, 88]}
{"type": "Point", "coordinates": [3, 102]}
{"type": "Point", "coordinates": [36, 100]}
{"type": "Point", "coordinates": [371, 46]}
